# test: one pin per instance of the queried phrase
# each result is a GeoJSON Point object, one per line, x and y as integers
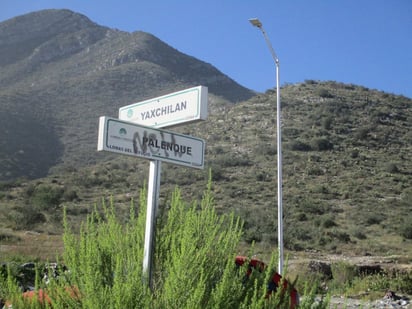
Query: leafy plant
{"type": "Point", "coordinates": [321, 144]}
{"type": "Point", "coordinates": [343, 274]}
{"type": "Point", "coordinates": [406, 229]}
{"type": "Point", "coordinates": [193, 265]}
{"type": "Point", "coordinates": [46, 197]}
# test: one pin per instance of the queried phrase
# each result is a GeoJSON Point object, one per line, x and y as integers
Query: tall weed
{"type": "Point", "coordinates": [193, 262]}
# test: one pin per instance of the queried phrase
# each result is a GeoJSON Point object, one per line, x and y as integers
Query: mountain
{"type": "Point", "coordinates": [60, 72]}
{"type": "Point", "coordinates": [347, 165]}
{"type": "Point", "coordinates": [347, 180]}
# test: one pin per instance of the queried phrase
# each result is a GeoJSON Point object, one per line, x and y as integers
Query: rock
{"type": "Point", "coordinates": [369, 269]}
{"type": "Point", "coordinates": [390, 300]}
{"type": "Point", "coordinates": [321, 267]}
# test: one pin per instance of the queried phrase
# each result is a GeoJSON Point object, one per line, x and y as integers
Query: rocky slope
{"type": "Point", "coordinates": [59, 72]}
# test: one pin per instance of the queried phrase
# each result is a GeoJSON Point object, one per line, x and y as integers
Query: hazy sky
{"type": "Point", "coordinates": [364, 42]}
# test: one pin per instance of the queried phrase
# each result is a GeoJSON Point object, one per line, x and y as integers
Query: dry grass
{"type": "Point", "coordinates": [32, 245]}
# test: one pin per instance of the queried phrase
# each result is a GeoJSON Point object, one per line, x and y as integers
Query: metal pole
{"type": "Point", "coordinates": [152, 204]}
{"type": "Point", "coordinates": [279, 152]}
{"type": "Point", "coordinates": [257, 23]}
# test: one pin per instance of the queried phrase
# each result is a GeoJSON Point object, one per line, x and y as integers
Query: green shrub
{"type": "Point", "coordinates": [373, 218]}
{"type": "Point", "coordinates": [313, 206]}
{"type": "Point", "coordinates": [268, 149]}
{"type": "Point", "coordinates": [218, 172]}
{"type": "Point", "coordinates": [229, 160]}
{"type": "Point", "coordinates": [343, 273]}
{"type": "Point", "coordinates": [392, 168]}
{"type": "Point", "coordinates": [28, 192]}
{"type": "Point", "coordinates": [193, 262]}
{"type": "Point", "coordinates": [302, 216]}
{"type": "Point", "coordinates": [70, 195]}
{"type": "Point", "coordinates": [263, 176]}
{"type": "Point", "coordinates": [406, 229]}
{"type": "Point", "coordinates": [324, 93]}
{"type": "Point", "coordinates": [8, 237]}
{"type": "Point", "coordinates": [321, 144]}
{"type": "Point", "coordinates": [362, 133]}
{"type": "Point", "coordinates": [24, 218]}
{"type": "Point", "coordinates": [193, 265]}
{"type": "Point", "coordinates": [354, 153]}
{"type": "Point", "coordinates": [396, 280]}
{"type": "Point", "coordinates": [314, 171]}
{"type": "Point", "coordinates": [406, 196]}
{"type": "Point", "coordinates": [328, 223]}
{"type": "Point", "coordinates": [46, 197]}
{"type": "Point", "coordinates": [298, 145]}
{"type": "Point", "coordinates": [359, 233]}
{"type": "Point", "coordinates": [253, 234]}
{"type": "Point", "coordinates": [327, 123]}
{"type": "Point", "coordinates": [6, 185]}
{"type": "Point", "coordinates": [339, 235]}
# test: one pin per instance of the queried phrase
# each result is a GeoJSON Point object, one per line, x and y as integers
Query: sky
{"type": "Point", "coordinates": [362, 42]}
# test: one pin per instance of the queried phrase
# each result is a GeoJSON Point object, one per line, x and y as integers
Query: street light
{"type": "Point", "coordinates": [256, 22]}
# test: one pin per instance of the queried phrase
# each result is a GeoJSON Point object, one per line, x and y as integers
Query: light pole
{"type": "Point", "coordinates": [256, 22]}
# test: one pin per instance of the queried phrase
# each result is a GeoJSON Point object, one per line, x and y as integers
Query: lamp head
{"type": "Point", "coordinates": [255, 22]}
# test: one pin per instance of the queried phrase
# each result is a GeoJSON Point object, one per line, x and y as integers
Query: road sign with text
{"type": "Point", "coordinates": [155, 144]}
{"type": "Point", "coordinates": [184, 106]}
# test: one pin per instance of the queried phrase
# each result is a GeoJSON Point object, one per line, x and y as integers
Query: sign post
{"type": "Point", "coordinates": [152, 205]}
{"type": "Point", "coordinates": [133, 134]}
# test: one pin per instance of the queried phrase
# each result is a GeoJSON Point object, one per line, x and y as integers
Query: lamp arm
{"type": "Point", "coordinates": [272, 51]}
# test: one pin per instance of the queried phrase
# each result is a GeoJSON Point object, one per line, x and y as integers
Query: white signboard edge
{"type": "Point", "coordinates": [202, 107]}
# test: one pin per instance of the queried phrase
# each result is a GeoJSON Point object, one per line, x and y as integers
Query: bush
{"type": "Point", "coordinates": [268, 149]}
{"type": "Point", "coordinates": [324, 93]}
{"type": "Point", "coordinates": [313, 207]}
{"type": "Point", "coordinates": [392, 168]}
{"type": "Point", "coordinates": [359, 234]}
{"type": "Point", "coordinates": [26, 218]}
{"type": "Point", "coordinates": [343, 273]}
{"type": "Point", "coordinates": [299, 146]}
{"type": "Point", "coordinates": [193, 264]}
{"type": "Point", "coordinates": [327, 123]}
{"type": "Point", "coordinates": [362, 133]}
{"type": "Point", "coordinates": [373, 218]}
{"type": "Point", "coordinates": [70, 195]}
{"type": "Point", "coordinates": [218, 173]}
{"type": "Point", "coordinates": [321, 144]}
{"type": "Point", "coordinates": [302, 216]}
{"type": "Point", "coordinates": [229, 160]}
{"type": "Point", "coordinates": [406, 230]}
{"type": "Point", "coordinates": [7, 237]}
{"type": "Point", "coordinates": [328, 223]}
{"type": "Point", "coordinates": [395, 280]}
{"type": "Point", "coordinates": [354, 153]}
{"type": "Point", "coordinates": [339, 235]}
{"type": "Point", "coordinates": [46, 197]}
{"type": "Point", "coordinates": [314, 171]}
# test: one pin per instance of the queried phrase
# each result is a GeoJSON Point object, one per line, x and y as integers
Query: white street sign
{"type": "Point", "coordinates": [184, 106]}
{"type": "Point", "coordinates": [140, 141]}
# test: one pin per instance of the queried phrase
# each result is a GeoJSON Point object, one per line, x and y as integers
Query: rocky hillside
{"type": "Point", "coordinates": [59, 72]}
{"type": "Point", "coordinates": [346, 173]}
{"type": "Point", "coordinates": [347, 167]}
